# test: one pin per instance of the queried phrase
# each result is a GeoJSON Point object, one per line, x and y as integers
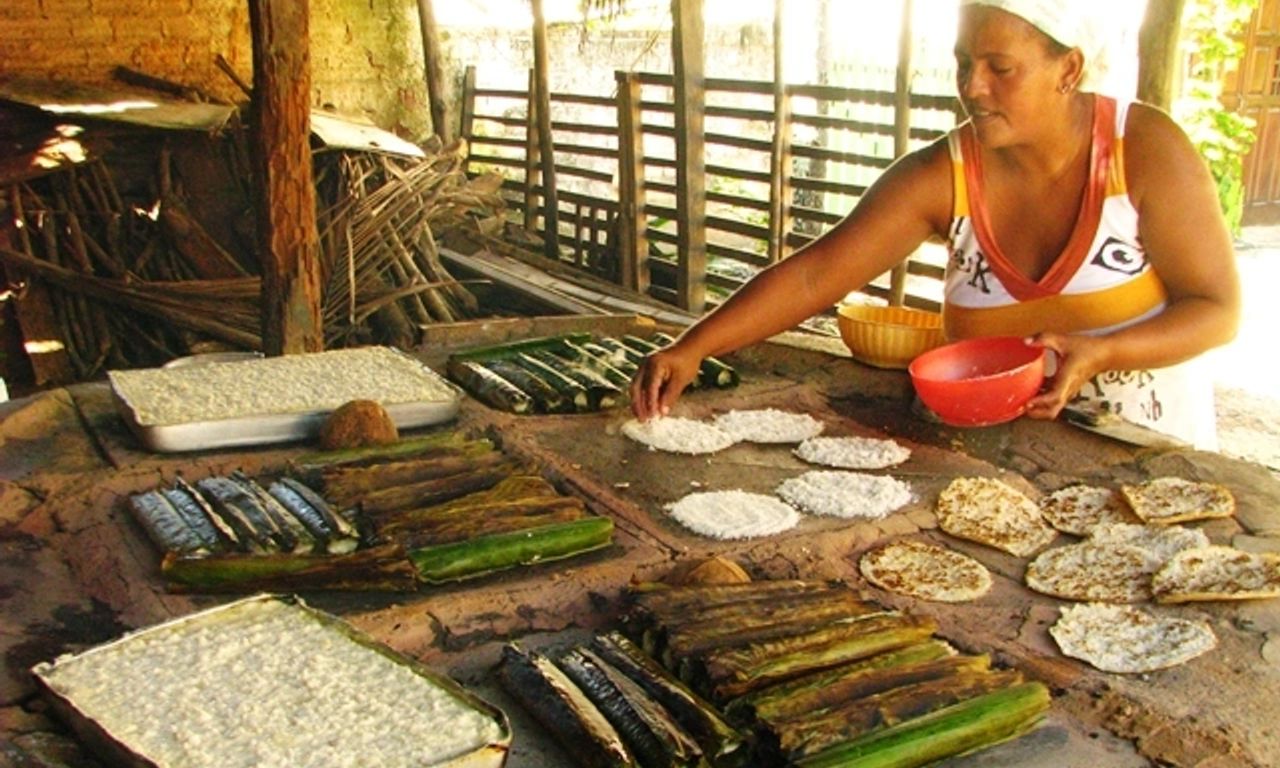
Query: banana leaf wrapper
{"type": "Point", "coordinates": [346, 484]}
{"type": "Point", "coordinates": [809, 692]}
{"type": "Point", "coordinates": [510, 489]}
{"type": "Point", "coordinates": [799, 738]}
{"type": "Point", "coordinates": [734, 671]}
{"type": "Point", "coordinates": [488, 387]}
{"type": "Point", "coordinates": [546, 398]}
{"type": "Point", "coordinates": [436, 491]}
{"type": "Point", "coordinates": [719, 740]}
{"type": "Point", "coordinates": [512, 348]}
{"type": "Point", "coordinates": [652, 735]}
{"type": "Point", "coordinates": [781, 714]}
{"type": "Point", "coordinates": [308, 466]}
{"type": "Point", "coordinates": [504, 518]}
{"type": "Point", "coordinates": [487, 554]}
{"type": "Point", "coordinates": [382, 568]}
{"type": "Point", "coordinates": [563, 709]}
{"type": "Point", "coordinates": [654, 602]}
{"type": "Point", "coordinates": [969, 725]}
{"type": "Point", "coordinates": [728, 629]}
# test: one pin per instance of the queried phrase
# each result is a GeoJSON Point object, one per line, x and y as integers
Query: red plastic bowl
{"type": "Point", "coordinates": [979, 382]}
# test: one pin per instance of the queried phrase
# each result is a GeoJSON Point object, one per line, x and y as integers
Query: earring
{"type": "Point", "coordinates": [1064, 88]}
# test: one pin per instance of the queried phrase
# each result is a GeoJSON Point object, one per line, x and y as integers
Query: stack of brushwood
{"type": "Point", "coordinates": [573, 373]}
{"type": "Point", "coordinates": [432, 509]}
{"type": "Point", "coordinates": [806, 672]}
{"type": "Point", "coordinates": [147, 252]}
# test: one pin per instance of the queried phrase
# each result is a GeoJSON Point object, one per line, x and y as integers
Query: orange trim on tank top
{"type": "Point", "coordinates": [1076, 251]}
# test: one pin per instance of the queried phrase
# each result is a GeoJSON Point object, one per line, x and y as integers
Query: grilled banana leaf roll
{"type": "Point", "coordinates": [615, 358]}
{"type": "Point", "coordinates": [291, 527]}
{"type": "Point", "coordinates": [732, 672]}
{"type": "Point", "coordinates": [332, 533]}
{"type": "Point", "coordinates": [570, 390]}
{"type": "Point", "coordinates": [646, 727]}
{"type": "Point", "coordinates": [646, 348]}
{"type": "Point", "coordinates": [661, 605]}
{"type": "Point", "coordinates": [437, 490]}
{"type": "Point", "coordinates": [601, 393]}
{"type": "Point", "coordinates": [308, 466]}
{"type": "Point", "coordinates": [712, 370]}
{"type": "Point", "coordinates": [719, 740]}
{"type": "Point", "coordinates": [486, 554]}
{"type": "Point", "coordinates": [546, 398]}
{"type": "Point", "coordinates": [240, 512]}
{"type": "Point", "coordinates": [563, 709]}
{"type": "Point", "coordinates": [383, 567]}
{"type": "Point", "coordinates": [488, 387]}
{"type": "Point", "coordinates": [817, 691]}
{"type": "Point", "coordinates": [166, 527]}
{"type": "Point", "coordinates": [504, 518]}
{"type": "Point", "coordinates": [972, 724]}
{"type": "Point", "coordinates": [511, 348]}
{"type": "Point", "coordinates": [195, 509]}
{"type": "Point", "coordinates": [621, 351]}
{"type": "Point", "coordinates": [510, 490]}
{"type": "Point", "coordinates": [597, 363]}
{"type": "Point", "coordinates": [806, 736]}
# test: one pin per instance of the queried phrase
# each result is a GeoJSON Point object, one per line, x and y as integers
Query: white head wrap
{"type": "Point", "coordinates": [1082, 24]}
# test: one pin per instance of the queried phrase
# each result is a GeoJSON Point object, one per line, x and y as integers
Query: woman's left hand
{"type": "Point", "coordinates": [1080, 358]}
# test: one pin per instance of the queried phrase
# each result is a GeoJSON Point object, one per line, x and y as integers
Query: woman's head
{"type": "Point", "coordinates": [1014, 79]}
{"type": "Point", "coordinates": [1079, 24]}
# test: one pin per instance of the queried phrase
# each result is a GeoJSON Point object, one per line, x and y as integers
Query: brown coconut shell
{"type": "Point", "coordinates": [357, 424]}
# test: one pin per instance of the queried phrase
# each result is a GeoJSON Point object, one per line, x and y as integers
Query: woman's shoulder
{"type": "Point", "coordinates": [1156, 149]}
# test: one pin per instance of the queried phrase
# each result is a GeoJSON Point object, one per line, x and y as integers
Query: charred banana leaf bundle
{"type": "Point", "coordinates": [652, 720]}
{"type": "Point", "coordinates": [819, 677]}
{"type": "Point", "coordinates": [235, 534]}
{"type": "Point", "coordinates": [572, 373]}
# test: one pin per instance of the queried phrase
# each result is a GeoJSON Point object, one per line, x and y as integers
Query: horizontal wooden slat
{"type": "Point", "coordinates": [737, 254]}
{"type": "Point", "coordinates": [832, 187]}
{"type": "Point", "coordinates": [737, 227]}
{"type": "Point", "coordinates": [741, 142]}
{"type": "Point", "coordinates": [738, 173]}
{"type": "Point", "coordinates": [836, 156]}
{"type": "Point", "coordinates": [736, 200]}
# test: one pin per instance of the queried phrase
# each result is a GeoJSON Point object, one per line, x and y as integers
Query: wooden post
{"type": "Point", "coordinates": [691, 198]}
{"type": "Point", "coordinates": [466, 122]}
{"type": "Point", "coordinates": [1158, 52]}
{"type": "Point", "coordinates": [285, 196]}
{"type": "Point", "coordinates": [541, 77]}
{"type": "Point", "coordinates": [633, 244]}
{"type": "Point", "coordinates": [902, 133]}
{"type": "Point", "coordinates": [433, 70]}
{"type": "Point", "coordinates": [532, 157]}
{"type": "Point", "coordinates": [780, 157]}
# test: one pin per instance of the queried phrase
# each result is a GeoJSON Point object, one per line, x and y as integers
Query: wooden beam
{"type": "Point", "coordinates": [541, 78]}
{"type": "Point", "coordinates": [780, 154]}
{"type": "Point", "coordinates": [902, 130]}
{"type": "Point", "coordinates": [633, 243]}
{"type": "Point", "coordinates": [1158, 55]}
{"type": "Point", "coordinates": [691, 200]}
{"type": "Point", "coordinates": [285, 195]}
{"type": "Point", "coordinates": [434, 70]}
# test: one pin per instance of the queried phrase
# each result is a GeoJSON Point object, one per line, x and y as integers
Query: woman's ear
{"type": "Point", "coordinates": [1072, 71]}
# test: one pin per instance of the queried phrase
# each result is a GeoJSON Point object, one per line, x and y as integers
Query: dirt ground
{"type": "Point", "coordinates": [1246, 372]}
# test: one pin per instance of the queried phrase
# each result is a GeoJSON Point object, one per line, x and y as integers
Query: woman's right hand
{"type": "Point", "coordinates": [662, 377]}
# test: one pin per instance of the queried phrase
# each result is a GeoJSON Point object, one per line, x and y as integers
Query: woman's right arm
{"type": "Point", "coordinates": [907, 203]}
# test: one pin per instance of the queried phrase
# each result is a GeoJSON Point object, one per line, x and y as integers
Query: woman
{"type": "Point", "coordinates": [1090, 227]}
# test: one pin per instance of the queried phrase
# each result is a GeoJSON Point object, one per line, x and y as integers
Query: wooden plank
{"type": "Point", "coordinates": [466, 122]}
{"type": "Point", "coordinates": [286, 197]}
{"type": "Point", "coordinates": [532, 154]}
{"type": "Point", "coordinates": [547, 161]}
{"type": "Point", "coordinates": [633, 247]}
{"type": "Point", "coordinates": [433, 70]}
{"type": "Point", "coordinates": [690, 96]}
{"type": "Point", "coordinates": [902, 131]}
{"type": "Point", "coordinates": [1159, 55]}
{"type": "Point", "coordinates": [780, 155]}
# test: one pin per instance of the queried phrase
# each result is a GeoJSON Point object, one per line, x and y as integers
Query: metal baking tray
{"type": "Point", "coordinates": [268, 428]}
{"type": "Point", "coordinates": [118, 752]}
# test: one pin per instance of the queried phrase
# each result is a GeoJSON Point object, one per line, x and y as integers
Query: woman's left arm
{"type": "Point", "coordinates": [1187, 242]}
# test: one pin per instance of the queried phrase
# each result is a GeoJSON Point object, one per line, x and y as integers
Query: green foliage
{"type": "Point", "coordinates": [1212, 31]}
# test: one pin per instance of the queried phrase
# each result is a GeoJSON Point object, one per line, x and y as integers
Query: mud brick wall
{"type": "Point", "coordinates": [366, 55]}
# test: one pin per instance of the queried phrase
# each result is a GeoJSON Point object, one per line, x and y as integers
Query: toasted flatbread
{"type": "Point", "coordinates": [1174, 500]}
{"type": "Point", "coordinates": [733, 514]}
{"type": "Point", "coordinates": [836, 493]}
{"type": "Point", "coordinates": [1217, 573]}
{"type": "Point", "coordinates": [769, 425]}
{"type": "Point", "coordinates": [1094, 571]}
{"type": "Point", "coordinates": [1078, 509]}
{"type": "Point", "coordinates": [675, 434]}
{"type": "Point", "coordinates": [1163, 541]}
{"type": "Point", "coordinates": [989, 512]}
{"type": "Point", "coordinates": [852, 452]}
{"type": "Point", "coordinates": [1124, 639]}
{"type": "Point", "coordinates": [926, 571]}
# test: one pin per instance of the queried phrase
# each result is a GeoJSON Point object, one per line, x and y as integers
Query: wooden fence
{"type": "Point", "coordinates": [780, 168]}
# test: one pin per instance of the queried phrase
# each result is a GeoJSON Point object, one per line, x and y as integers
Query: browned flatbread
{"type": "Point", "coordinates": [989, 512]}
{"type": "Point", "coordinates": [1174, 500]}
{"type": "Point", "coordinates": [1121, 638]}
{"type": "Point", "coordinates": [1217, 573]}
{"type": "Point", "coordinates": [1078, 509]}
{"type": "Point", "coordinates": [1094, 571]}
{"type": "Point", "coordinates": [926, 571]}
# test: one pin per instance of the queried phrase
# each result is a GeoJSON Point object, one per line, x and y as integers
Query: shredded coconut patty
{"type": "Point", "coordinates": [675, 434]}
{"type": "Point", "coordinates": [288, 384]}
{"type": "Point", "coordinates": [1121, 638]}
{"type": "Point", "coordinates": [265, 684]}
{"type": "Point", "coordinates": [733, 514]}
{"type": "Point", "coordinates": [852, 452]}
{"type": "Point", "coordinates": [769, 425]}
{"type": "Point", "coordinates": [845, 494]}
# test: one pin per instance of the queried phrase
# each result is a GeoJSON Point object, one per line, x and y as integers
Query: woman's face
{"type": "Point", "coordinates": [1007, 76]}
